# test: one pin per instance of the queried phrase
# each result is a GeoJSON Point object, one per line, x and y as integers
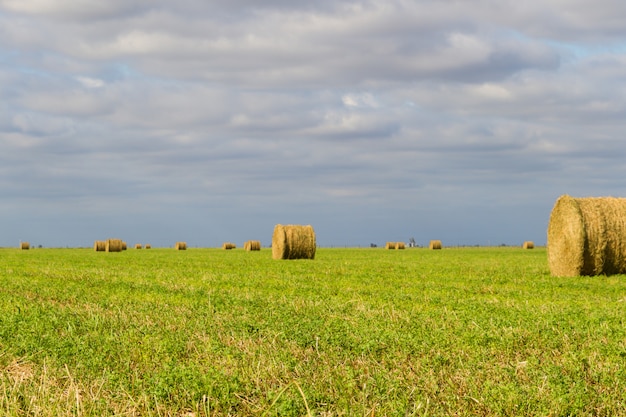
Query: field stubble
{"type": "Point", "coordinates": [480, 331]}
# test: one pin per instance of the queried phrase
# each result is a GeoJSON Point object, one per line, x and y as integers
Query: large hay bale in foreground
{"type": "Point", "coordinates": [435, 244]}
{"type": "Point", "coordinates": [528, 245]}
{"type": "Point", "coordinates": [180, 246]}
{"type": "Point", "coordinates": [24, 245]}
{"type": "Point", "coordinates": [113, 245]}
{"type": "Point", "coordinates": [251, 245]}
{"type": "Point", "coordinates": [587, 236]}
{"type": "Point", "coordinates": [293, 242]}
{"type": "Point", "coordinates": [99, 245]}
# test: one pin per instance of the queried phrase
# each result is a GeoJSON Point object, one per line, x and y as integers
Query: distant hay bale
{"type": "Point", "coordinates": [24, 245]}
{"type": "Point", "coordinates": [587, 236]}
{"type": "Point", "coordinates": [180, 246]}
{"type": "Point", "coordinates": [435, 244]}
{"type": "Point", "coordinates": [251, 245]}
{"type": "Point", "coordinates": [528, 245]}
{"type": "Point", "coordinates": [113, 245]}
{"type": "Point", "coordinates": [390, 245]}
{"type": "Point", "coordinates": [400, 245]}
{"type": "Point", "coordinates": [99, 245]}
{"type": "Point", "coordinates": [124, 246]}
{"type": "Point", "coordinates": [138, 246]}
{"type": "Point", "coordinates": [293, 242]}
{"type": "Point", "coordinates": [148, 246]}
{"type": "Point", "coordinates": [228, 245]}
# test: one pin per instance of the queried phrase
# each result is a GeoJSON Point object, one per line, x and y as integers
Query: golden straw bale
{"type": "Point", "coordinates": [435, 244]}
{"type": "Point", "coordinates": [228, 245]}
{"type": "Point", "coordinates": [400, 245]}
{"type": "Point", "coordinates": [180, 246]}
{"type": "Point", "coordinates": [587, 236]}
{"type": "Point", "coordinates": [251, 245]}
{"type": "Point", "coordinates": [293, 242]}
{"type": "Point", "coordinates": [99, 245]}
{"type": "Point", "coordinates": [528, 245]}
{"type": "Point", "coordinates": [148, 246]}
{"type": "Point", "coordinates": [113, 245]}
{"type": "Point", "coordinates": [124, 246]}
{"type": "Point", "coordinates": [390, 245]}
{"type": "Point", "coordinates": [138, 246]}
{"type": "Point", "coordinates": [24, 245]}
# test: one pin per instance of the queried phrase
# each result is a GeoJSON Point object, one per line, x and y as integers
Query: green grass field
{"type": "Point", "coordinates": [358, 332]}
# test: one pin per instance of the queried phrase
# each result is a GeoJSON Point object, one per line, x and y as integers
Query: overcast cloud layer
{"type": "Point", "coordinates": [212, 121]}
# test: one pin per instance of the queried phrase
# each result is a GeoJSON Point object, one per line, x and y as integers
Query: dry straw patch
{"type": "Point", "coordinates": [528, 245]}
{"type": "Point", "coordinates": [293, 242]}
{"type": "Point", "coordinates": [114, 245]}
{"type": "Point", "coordinates": [180, 246]}
{"type": "Point", "coordinates": [587, 236]}
{"type": "Point", "coordinates": [435, 244]}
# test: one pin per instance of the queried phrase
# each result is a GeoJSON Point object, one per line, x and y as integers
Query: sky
{"type": "Point", "coordinates": [202, 121]}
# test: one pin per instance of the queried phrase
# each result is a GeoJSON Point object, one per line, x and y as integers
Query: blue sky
{"type": "Point", "coordinates": [158, 121]}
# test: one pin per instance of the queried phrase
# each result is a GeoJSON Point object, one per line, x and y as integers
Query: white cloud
{"type": "Point", "coordinates": [90, 82]}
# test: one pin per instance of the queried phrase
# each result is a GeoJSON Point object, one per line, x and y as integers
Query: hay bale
{"type": "Point", "coordinates": [148, 246]}
{"type": "Point", "coordinates": [251, 245]}
{"type": "Point", "coordinates": [180, 246]}
{"type": "Point", "coordinates": [124, 246]}
{"type": "Point", "coordinates": [435, 244]}
{"type": "Point", "coordinates": [587, 236]}
{"type": "Point", "coordinates": [528, 245]}
{"type": "Point", "coordinates": [138, 246]}
{"type": "Point", "coordinates": [400, 245]}
{"type": "Point", "coordinates": [24, 245]}
{"type": "Point", "coordinates": [113, 245]}
{"type": "Point", "coordinates": [99, 245]}
{"type": "Point", "coordinates": [228, 245]}
{"type": "Point", "coordinates": [293, 242]}
{"type": "Point", "coordinates": [390, 245]}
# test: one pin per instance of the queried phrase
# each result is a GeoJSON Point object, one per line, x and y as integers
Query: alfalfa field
{"type": "Point", "coordinates": [354, 332]}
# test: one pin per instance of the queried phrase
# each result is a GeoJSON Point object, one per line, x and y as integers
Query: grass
{"type": "Point", "coordinates": [358, 332]}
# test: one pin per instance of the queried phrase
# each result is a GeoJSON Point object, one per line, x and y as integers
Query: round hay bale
{"type": "Point", "coordinates": [587, 236]}
{"type": "Point", "coordinates": [390, 245]}
{"type": "Point", "coordinates": [180, 246]}
{"type": "Point", "coordinates": [293, 242]}
{"type": "Point", "coordinates": [435, 244]}
{"type": "Point", "coordinates": [24, 245]}
{"type": "Point", "coordinates": [124, 246]}
{"type": "Point", "coordinates": [138, 246]}
{"type": "Point", "coordinates": [251, 245]}
{"type": "Point", "coordinates": [528, 245]}
{"type": "Point", "coordinates": [228, 245]}
{"type": "Point", "coordinates": [148, 246]}
{"type": "Point", "coordinates": [113, 245]}
{"type": "Point", "coordinates": [99, 245]}
{"type": "Point", "coordinates": [400, 245]}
